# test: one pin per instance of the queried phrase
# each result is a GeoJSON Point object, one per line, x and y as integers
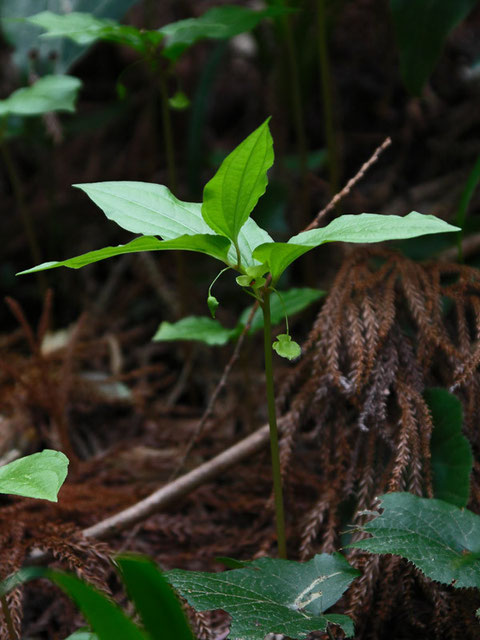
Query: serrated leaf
{"type": "Point", "coordinates": [219, 23]}
{"type": "Point", "coordinates": [214, 246]}
{"type": "Point", "coordinates": [272, 596]}
{"type": "Point", "coordinates": [362, 228]}
{"type": "Point", "coordinates": [197, 328]}
{"type": "Point", "coordinates": [105, 617]}
{"type": "Point", "coordinates": [440, 539]}
{"type": "Point", "coordinates": [286, 347]}
{"type": "Point", "coordinates": [230, 196]}
{"type": "Point", "coordinates": [154, 600]}
{"type": "Point", "coordinates": [39, 475]}
{"type": "Point", "coordinates": [146, 208]}
{"type": "Point", "coordinates": [452, 458]}
{"type": "Point", "coordinates": [295, 300]}
{"type": "Point", "coordinates": [421, 29]}
{"type": "Point", "coordinates": [50, 93]}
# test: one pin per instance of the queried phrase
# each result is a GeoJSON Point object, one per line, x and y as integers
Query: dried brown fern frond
{"type": "Point", "coordinates": [389, 329]}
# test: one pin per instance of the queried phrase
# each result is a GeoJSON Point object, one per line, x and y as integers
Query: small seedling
{"type": "Point", "coordinates": [222, 227]}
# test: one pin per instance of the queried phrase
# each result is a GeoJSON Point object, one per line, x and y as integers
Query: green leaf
{"type": "Point", "coordinates": [421, 29]}
{"type": "Point", "coordinates": [179, 101]}
{"type": "Point", "coordinates": [286, 347]}
{"type": "Point", "coordinates": [467, 194]}
{"type": "Point", "coordinates": [230, 196]}
{"type": "Point", "coordinates": [85, 28]}
{"type": "Point", "coordinates": [363, 228]}
{"type": "Point", "coordinates": [24, 36]}
{"type": "Point", "coordinates": [452, 458]}
{"type": "Point", "coordinates": [440, 539]}
{"type": "Point", "coordinates": [198, 328]}
{"type": "Point", "coordinates": [155, 602]}
{"type": "Point", "coordinates": [253, 277]}
{"type": "Point", "coordinates": [82, 28]}
{"type": "Point", "coordinates": [82, 634]}
{"type": "Point", "coordinates": [250, 237]}
{"type": "Point", "coordinates": [105, 617]}
{"type": "Point", "coordinates": [272, 596]}
{"type": "Point", "coordinates": [50, 93]}
{"type": "Point", "coordinates": [295, 300]}
{"type": "Point", "coordinates": [219, 23]}
{"type": "Point", "coordinates": [146, 208]}
{"type": "Point", "coordinates": [214, 246]}
{"type": "Point", "coordinates": [37, 476]}
{"type": "Point", "coordinates": [151, 209]}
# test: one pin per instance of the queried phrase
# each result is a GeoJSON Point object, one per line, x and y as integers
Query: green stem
{"type": "Point", "coordinates": [297, 110]}
{"type": "Point", "coordinates": [326, 84]}
{"type": "Point", "coordinates": [8, 619]}
{"type": "Point", "coordinates": [167, 130]}
{"type": "Point", "coordinates": [23, 211]}
{"type": "Point", "coordinates": [272, 420]}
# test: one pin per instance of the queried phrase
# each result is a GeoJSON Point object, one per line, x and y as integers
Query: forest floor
{"type": "Point", "coordinates": [78, 369]}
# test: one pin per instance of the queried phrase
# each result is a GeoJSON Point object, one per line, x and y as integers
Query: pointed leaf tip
{"type": "Point", "coordinates": [231, 195]}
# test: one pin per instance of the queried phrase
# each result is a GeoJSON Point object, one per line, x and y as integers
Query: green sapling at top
{"type": "Point", "coordinates": [221, 227]}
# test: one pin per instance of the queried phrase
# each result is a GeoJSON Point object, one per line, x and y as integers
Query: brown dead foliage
{"type": "Point", "coordinates": [388, 329]}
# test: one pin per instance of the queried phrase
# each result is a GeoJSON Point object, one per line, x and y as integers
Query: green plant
{"type": "Point", "coordinates": [441, 539]}
{"type": "Point", "coordinates": [39, 475]}
{"type": "Point", "coordinates": [158, 608]}
{"type": "Point", "coordinates": [50, 93]}
{"type": "Point", "coordinates": [211, 332]}
{"type": "Point", "coordinates": [222, 227]}
{"type": "Point", "coordinates": [421, 29]}
{"type": "Point", "coordinates": [438, 535]}
{"type": "Point", "coordinates": [159, 48]}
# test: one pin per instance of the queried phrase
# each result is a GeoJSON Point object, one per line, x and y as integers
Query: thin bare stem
{"type": "Point", "coordinates": [350, 184]}
{"type": "Point", "coordinates": [213, 399]}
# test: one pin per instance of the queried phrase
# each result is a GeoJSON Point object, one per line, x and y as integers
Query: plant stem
{"type": "Point", "coordinates": [295, 91]}
{"type": "Point", "coordinates": [25, 217]}
{"type": "Point", "coordinates": [167, 129]}
{"type": "Point", "coordinates": [8, 619]}
{"type": "Point", "coordinates": [272, 421]}
{"type": "Point", "coordinates": [326, 83]}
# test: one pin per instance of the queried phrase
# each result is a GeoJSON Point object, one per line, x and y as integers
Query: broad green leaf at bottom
{"type": "Point", "coordinates": [198, 328]}
{"type": "Point", "coordinates": [440, 539]}
{"type": "Point", "coordinates": [105, 617]}
{"type": "Point", "coordinates": [272, 596]}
